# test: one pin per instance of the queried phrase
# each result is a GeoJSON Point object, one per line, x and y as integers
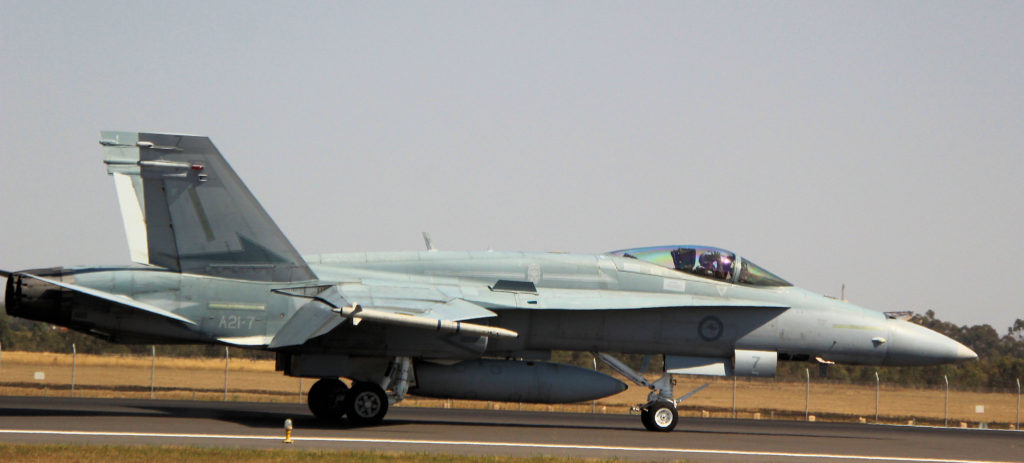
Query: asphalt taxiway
{"type": "Point", "coordinates": [488, 432]}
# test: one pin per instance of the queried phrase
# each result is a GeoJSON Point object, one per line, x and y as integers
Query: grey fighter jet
{"type": "Point", "coordinates": [212, 267]}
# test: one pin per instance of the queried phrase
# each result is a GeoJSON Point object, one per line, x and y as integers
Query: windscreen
{"type": "Point", "coordinates": [755, 275]}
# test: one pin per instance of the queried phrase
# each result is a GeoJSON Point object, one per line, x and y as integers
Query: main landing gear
{"type": "Point", "coordinates": [659, 413]}
{"type": "Point", "coordinates": [330, 401]}
{"type": "Point", "coordinates": [366, 402]}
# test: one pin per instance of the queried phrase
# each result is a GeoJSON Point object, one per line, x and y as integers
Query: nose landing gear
{"type": "Point", "coordinates": [659, 413]}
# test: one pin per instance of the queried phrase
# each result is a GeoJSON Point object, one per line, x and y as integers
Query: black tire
{"type": "Point", "coordinates": [366, 404]}
{"type": "Point", "coordinates": [660, 417]}
{"type": "Point", "coordinates": [326, 400]}
{"type": "Point", "coordinates": [645, 418]}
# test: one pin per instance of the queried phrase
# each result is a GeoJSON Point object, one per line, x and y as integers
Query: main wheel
{"type": "Point", "coordinates": [326, 400]}
{"type": "Point", "coordinates": [661, 417]}
{"type": "Point", "coordinates": [645, 418]}
{"type": "Point", "coordinates": [366, 404]}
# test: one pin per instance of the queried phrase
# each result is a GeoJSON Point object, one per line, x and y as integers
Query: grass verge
{"type": "Point", "coordinates": [60, 453]}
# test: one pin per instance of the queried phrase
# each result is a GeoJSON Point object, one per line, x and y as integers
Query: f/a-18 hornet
{"type": "Point", "coordinates": [212, 267]}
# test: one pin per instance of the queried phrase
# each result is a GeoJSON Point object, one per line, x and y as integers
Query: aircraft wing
{"type": "Point", "coordinates": [115, 298]}
{"type": "Point", "coordinates": [421, 300]}
{"type": "Point", "coordinates": [329, 308]}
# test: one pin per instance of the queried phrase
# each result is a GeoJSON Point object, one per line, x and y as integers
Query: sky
{"type": "Point", "coordinates": [873, 144]}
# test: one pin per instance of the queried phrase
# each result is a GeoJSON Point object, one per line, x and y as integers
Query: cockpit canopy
{"type": "Point", "coordinates": [706, 261]}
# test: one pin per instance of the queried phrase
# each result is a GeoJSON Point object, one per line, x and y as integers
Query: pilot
{"type": "Point", "coordinates": [707, 264]}
{"type": "Point", "coordinates": [725, 268]}
{"type": "Point", "coordinates": [715, 265]}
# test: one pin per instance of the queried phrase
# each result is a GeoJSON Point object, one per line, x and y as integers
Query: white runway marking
{"type": "Point", "coordinates": [498, 444]}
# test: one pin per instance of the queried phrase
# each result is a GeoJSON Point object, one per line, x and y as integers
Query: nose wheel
{"type": "Point", "coordinates": [660, 416]}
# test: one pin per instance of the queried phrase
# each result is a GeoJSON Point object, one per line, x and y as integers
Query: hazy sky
{"type": "Point", "coordinates": [876, 144]}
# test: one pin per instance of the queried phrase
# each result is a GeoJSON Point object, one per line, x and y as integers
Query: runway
{"type": "Point", "coordinates": [486, 432]}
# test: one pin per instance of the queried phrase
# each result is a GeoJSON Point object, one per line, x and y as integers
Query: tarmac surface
{"type": "Point", "coordinates": [489, 432]}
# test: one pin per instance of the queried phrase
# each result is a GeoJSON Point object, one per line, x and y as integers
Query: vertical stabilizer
{"type": "Point", "coordinates": [184, 208]}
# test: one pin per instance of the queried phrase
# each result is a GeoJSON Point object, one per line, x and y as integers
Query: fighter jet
{"type": "Point", "coordinates": [210, 266]}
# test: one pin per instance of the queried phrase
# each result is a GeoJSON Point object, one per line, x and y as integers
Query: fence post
{"type": "Point", "coordinates": [878, 385]}
{"type": "Point", "coordinates": [945, 420]}
{"type": "Point", "coordinates": [74, 364]}
{"type": "Point", "coordinates": [807, 395]}
{"type": "Point", "coordinates": [2, 356]}
{"type": "Point", "coordinates": [734, 397]}
{"type": "Point", "coordinates": [593, 403]}
{"type": "Point", "coordinates": [226, 360]}
{"type": "Point", "coordinates": [300, 389]}
{"type": "Point", "coordinates": [1018, 404]}
{"type": "Point", "coordinates": [152, 372]}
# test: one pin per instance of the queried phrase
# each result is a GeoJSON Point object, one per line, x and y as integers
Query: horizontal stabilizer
{"type": "Point", "coordinates": [115, 298]}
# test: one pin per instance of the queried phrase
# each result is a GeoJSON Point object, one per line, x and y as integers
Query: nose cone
{"type": "Point", "coordinates": [964, 353]}
{"type": "Point", "coordinates": [911, 344]}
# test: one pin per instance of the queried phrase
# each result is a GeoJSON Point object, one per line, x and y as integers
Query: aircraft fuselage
{"type": "Point", "coordinates": [577, 302]}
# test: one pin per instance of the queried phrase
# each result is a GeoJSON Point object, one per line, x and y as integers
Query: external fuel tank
{"type": "Point", "coordinates": [513, 381]}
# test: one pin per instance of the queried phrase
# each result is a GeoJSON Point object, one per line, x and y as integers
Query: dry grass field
{"type": "Point", "coordinates": [24, 453]}
{"type": "Point", "coordinates": [248, 380]}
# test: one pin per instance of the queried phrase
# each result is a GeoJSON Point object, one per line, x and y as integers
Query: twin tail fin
{"type": "Point", "coordinates": [185, 209]}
